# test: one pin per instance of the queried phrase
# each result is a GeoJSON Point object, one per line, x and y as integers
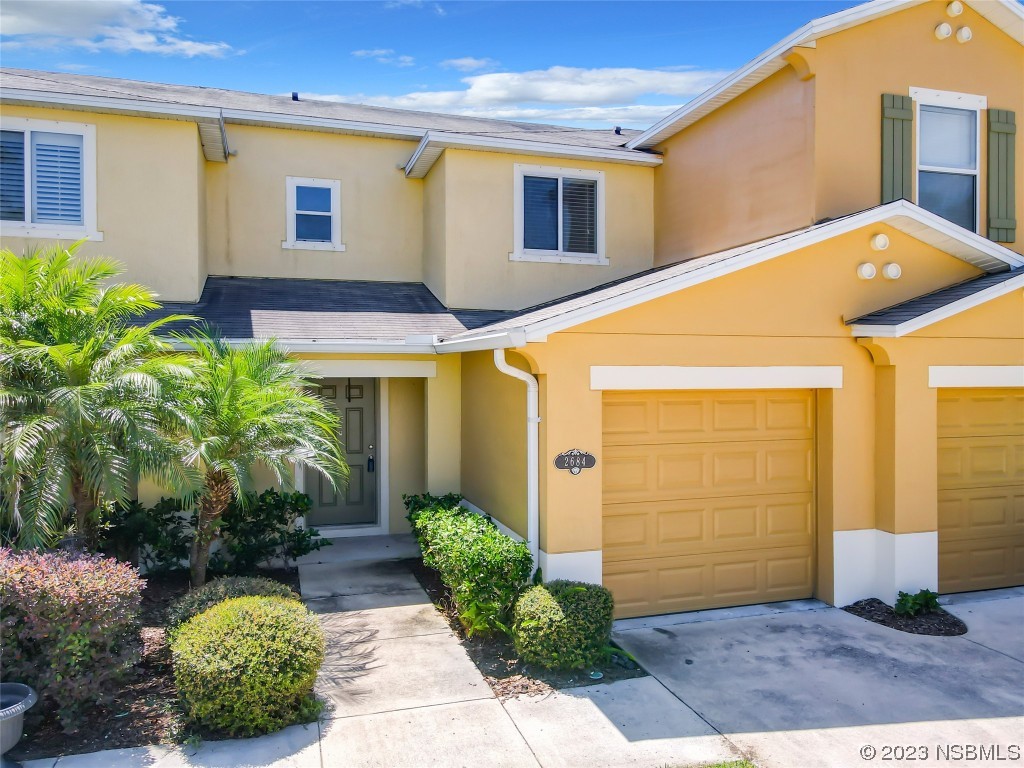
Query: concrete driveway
{"type": "Point", "coordinates": [816, 687]}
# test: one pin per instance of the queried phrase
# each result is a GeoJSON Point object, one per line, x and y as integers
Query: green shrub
{"type": "Point", "coordinates": [924, 601]}
{"type": "Point", "coordinates": [68, 627]}
{"type": "Point", "coordinates": [254, 534]}
{"type": "Point", "coordinates": [247, 665]}
{"type": "Point", "coordinates": [484, 569]}
{"type": "Point", "coordinates": [156, 537]}
{"type": "Point", "coordinates": [417, 503]}
{"type": "Point", "coordinates": [563, 624]}
{"type": "Point", "coordinates": [219, 590]}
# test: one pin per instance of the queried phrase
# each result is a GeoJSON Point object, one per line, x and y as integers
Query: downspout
{"type": "Point", "coordinates": [532, 451]}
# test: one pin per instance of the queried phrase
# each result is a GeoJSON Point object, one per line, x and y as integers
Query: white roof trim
{"type": "Point", "coordinates": [1008, 15]}
{"type": "Point", "coordinates": [434, 142]}
{"type": "Point", "coordinates": [209, 119]}
{"type": "Point", "coordinates": [902, 215]}
{"type": "Point", "coordinates": [930, 318]}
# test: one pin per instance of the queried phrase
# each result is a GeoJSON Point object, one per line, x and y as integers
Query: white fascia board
{"type": "Point", "coordinates": [968, 302]}
{"type": "Point", "coordinates": [422, 159]}
{"type": "Point", "coordinates": [682, 377]}
{"type": "Point", "coordinates": [509, 339]}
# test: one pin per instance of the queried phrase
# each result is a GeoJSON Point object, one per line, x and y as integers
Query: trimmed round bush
{"type": "Point", "coordinates": [247, 665]}
{"type": "Point", "coordinates": [68, 627]}
{"type": "Point", "coordinates": [219, 590]}
{"type": "Point", "coordinates": [563, 624]}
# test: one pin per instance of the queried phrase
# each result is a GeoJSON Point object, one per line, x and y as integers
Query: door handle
{"type": "Point", "coordinates": [370, 463]}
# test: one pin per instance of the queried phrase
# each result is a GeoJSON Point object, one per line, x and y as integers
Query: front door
{"type": "Point", "coordinates": [355, 400]}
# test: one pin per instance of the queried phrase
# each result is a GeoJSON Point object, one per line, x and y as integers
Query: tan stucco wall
{"type": "Point", "coordinates": [479, 232]}
{"type": "Point", "coordinates": [762, 316]}
{"type": "Point", "coordinates": [434, 229]}
{"type": "Point", "coordinates": [406, 465]}
{"type": "Point", "coordinates": [381, 210]}
{"type": "Point", "coordinates": [148, 202]}
{"type": "Point", "coordinates": [890, 55]}
{"type": "Point", "coordinates": [742, 173]}
{"type": "Point", "coordinates": [494, 439]}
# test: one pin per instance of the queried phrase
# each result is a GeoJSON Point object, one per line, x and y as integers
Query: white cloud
{"type": "Point", "coordinates": [122, 26]}
{"type": "Point", "coordinates": [435, 7]}
{"type": "Point", "coordinates": [599, 96]}
{"type": "Point", "coordinates": [385, 56]}
{"type": "Point", "coordinates": [468, 64]}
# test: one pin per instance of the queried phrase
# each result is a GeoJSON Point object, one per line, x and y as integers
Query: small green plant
{"type": "Point", "coordinates": [219, 590]}
{"type": "Point", "coordinates": [68, 627]}
{"type": "Point", "coordinates": [563, 624]}
{"type": "Point", "coordinates": [923, 602]}
{"type": "Point", "coordinates": [247, 665]}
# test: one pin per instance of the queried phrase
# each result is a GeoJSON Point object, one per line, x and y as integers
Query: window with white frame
{"type": "Point", "coordinates": [314, 214]}
{"type": "Point", "coordinates": [559, 215]}
{"type": "Point", "coordinates": [47, 179]}
{"type": "Point", "coordinates": [948, 154]}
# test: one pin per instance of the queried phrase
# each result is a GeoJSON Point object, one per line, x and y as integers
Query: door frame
{"type": "Point", "coordinates": [383, 524]}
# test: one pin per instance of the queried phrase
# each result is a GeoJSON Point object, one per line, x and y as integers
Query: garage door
{"type": "Point", "coordinates": [708, 498]}
{"type": "Point", "coordinates": [981, 488]}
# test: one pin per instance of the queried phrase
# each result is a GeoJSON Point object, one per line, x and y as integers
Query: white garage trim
{"type": "Point", "coordinates": [653, 377]}
{"type": "Point", "coordinates": [372, 369]}
{"type": "Point", "coordinates": [975, 376]}
{"type": "Point", "coordinates": [574, 566]}
{"type": "Point", "coordinates": [874, 563]}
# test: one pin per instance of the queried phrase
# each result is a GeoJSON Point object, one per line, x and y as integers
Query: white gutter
{"type": "Point", "coordinates": [532, 452]}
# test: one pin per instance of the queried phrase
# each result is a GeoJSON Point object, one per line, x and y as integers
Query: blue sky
{"type": "Point", "coordinates": [581, 63]}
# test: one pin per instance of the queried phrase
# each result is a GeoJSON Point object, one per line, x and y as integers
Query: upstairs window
{"type": "Point", "coordinates": [559, 215]}
{"type": "Point", "coordinates": [47, 179]}
{"type": "Point", "coordinates": [314, 215]}
{"type": "Point", "coordinates": [948, 155]}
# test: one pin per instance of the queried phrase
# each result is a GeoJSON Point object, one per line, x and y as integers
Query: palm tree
{"type": "Point", "coordinates": [86, 398]}
{"type": "Point", "coordinates": [249, 404]}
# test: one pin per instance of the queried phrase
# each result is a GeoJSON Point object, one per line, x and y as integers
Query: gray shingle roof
{"type": "Point", "coordinates": [417, 122]}
{"type": "Point", "coordinates": [922, 305]}
{"type": "Point", "coordinates": [247, 307]}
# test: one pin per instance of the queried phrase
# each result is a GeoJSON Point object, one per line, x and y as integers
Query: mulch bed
{"type": "Point", "coordinates": [498, 662]}
{"type": "Point", "coordinates": [937, 622]}
{"type": "Point", "coordinates": [145, 710]}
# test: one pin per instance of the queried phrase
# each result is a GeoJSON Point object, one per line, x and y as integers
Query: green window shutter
{"type": "Point", "coordinates": [1002, 212]}
{"type": "Point", "coordinates": [897, 155]}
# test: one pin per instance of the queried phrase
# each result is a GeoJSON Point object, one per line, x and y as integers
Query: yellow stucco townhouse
{"type": "Point", "coordinates": [770, 348]}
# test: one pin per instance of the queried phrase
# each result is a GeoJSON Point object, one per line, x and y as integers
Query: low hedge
{"type": "Point", "coordinates": [484, 569]}
{"type": "Point", "coordinates": [68, 627]}
{"type": "Point", "coordinates": [247, 665]}
{"type": "Point", "coordinates": [563, 624]}
{"type": "Point", "coordinates": [219, 590]}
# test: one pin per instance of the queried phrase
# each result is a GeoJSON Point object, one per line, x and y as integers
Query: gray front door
{"type": "Point", "coordinates": [356, 402]}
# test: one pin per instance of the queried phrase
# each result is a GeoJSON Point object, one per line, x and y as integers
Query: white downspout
{"type": "Point", "coordinates": [532, 451]}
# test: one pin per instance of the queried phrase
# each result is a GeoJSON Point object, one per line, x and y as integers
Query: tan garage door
{"type": "Point", "coordinates": [708, 498]}
{"type": "Point", "coordinates": [981, 489]}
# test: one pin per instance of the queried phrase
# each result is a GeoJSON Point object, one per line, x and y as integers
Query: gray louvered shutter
{"type": "Point", "coordinates": [56, 178]}
{"type": "Point", "coordinates": [1002, 212]}
{"type": "Point", "coordinates": [12, 176]}
{"type": "Point", "coordinates": [897, 157]}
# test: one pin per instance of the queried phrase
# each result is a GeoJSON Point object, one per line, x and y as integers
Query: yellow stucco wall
{"type": "Point", "coordinates": [762, 316]}
{"type": "Point", "coordinates": [890, 55]}
{"type": "Point", "coordinates": [406, 465]}
{"type": "Point", "coordinates": [494, 439]}
{"type": "Point", "coordinates": [148, 205]}
{"type": "Point", "coordinates": [381, 210]}
{"type": "Point", "coordinates": [742, 173]}
{"type": "Point", "coordinates": [479, 232]}
{"type": "Point", "coordinates": [434, 229]}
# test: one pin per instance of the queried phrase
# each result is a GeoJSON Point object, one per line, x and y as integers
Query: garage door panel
{"type": "Point", "coordinates": [691, 417]}
{"type": "Point", "coordinates": [665, 585]}
{"type": "Point", "coordinates": [685, 527]}
{"type": "Point", "coordinates": [656, 472]}
{"type": "Point", "coordinates": [981, 489]}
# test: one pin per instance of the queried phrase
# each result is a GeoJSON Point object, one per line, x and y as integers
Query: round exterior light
{"type": "Point", "coordinates": [892, 271]}
{"type": "Point", "coordinates": [955, 8]}
{"type": "Point", "coordinates": [866, 271]}
{"type": "Point", "coordinates": [943, 31]}
{"type": "Point", "coordinates": [879, 242]}
{"type": "Point", "coordinates": [964, 34]}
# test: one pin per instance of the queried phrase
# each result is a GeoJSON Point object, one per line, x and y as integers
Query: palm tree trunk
{"type": "Point", "coordinates": [85, 506]}
{"type": "Point", "coordinates": [212, 504]}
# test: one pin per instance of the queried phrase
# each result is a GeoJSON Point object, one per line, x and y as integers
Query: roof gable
{"type": "Point", "coordinates": [1007, 15]}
